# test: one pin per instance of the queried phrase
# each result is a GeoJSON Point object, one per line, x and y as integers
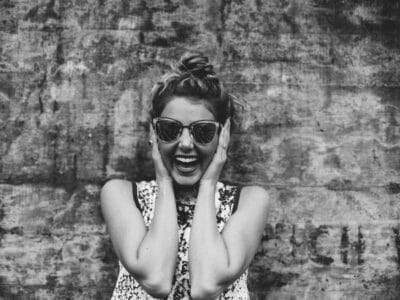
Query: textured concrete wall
{"type": "Point", "coordinates": [321, 85]}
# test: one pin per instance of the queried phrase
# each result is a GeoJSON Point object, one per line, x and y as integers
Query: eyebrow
{"type": "Point", "coordinates": [169, 118]}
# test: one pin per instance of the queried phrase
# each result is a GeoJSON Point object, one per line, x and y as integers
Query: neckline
{"type": "Point", "coordinates": [186, 200]}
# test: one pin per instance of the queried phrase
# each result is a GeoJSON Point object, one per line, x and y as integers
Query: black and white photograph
{"type": "Point", "coordinates": [216, 149]}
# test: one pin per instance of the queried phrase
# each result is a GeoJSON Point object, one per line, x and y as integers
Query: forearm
{"type": "Point", "coordinates": [157, 253]}
{"type": "Point", "coordinates": [209, 258]}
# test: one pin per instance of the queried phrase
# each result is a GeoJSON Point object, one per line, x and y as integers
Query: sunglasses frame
{"type": "Point", "coordinates": [189, 127]}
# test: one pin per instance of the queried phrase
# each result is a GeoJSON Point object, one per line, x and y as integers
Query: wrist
{"type": "Point", "coordinates": [210, 183]}
{"type": "Point", "coordinates": [165, 181]}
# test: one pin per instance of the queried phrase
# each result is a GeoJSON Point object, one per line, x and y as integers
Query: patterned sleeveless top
{"type": "Point", "coordinates": [226, 201]}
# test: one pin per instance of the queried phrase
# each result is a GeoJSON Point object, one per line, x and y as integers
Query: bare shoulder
{"type": "Point", "coordinates": [254, 196]}
{"type": "Point", "coordinates": [115, 187]}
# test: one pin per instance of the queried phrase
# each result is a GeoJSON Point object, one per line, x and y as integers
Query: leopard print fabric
{"type": "Point", "coordinates": [126, 286]}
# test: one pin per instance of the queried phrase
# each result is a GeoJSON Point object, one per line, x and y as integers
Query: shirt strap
{"type": "Point", "coordinates": [135, 197]}
{"type": "Point", "coordinates": [236, 198]}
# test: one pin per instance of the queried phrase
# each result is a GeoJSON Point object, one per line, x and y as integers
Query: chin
{"type": "Point", "coordinates": [186, 180]}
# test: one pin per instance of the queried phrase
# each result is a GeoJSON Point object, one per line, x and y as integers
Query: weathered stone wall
{"type": "Point", "coordinates": [320, 81]}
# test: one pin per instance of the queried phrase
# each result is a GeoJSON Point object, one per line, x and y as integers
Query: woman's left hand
{"type": "Point", "coordinates": [214, 169]}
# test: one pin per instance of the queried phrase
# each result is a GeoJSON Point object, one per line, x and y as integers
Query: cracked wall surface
{"type": "Point", "coordinates": [320, 84]}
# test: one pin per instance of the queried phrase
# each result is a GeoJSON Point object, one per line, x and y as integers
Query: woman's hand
{"type": "Point", "coordinates": [162, 173]}
{"type": "Point", "coordinates": [214, 169]}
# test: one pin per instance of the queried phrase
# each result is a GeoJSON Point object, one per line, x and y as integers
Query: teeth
{"type": "Point", "coordinates": [185, 159]}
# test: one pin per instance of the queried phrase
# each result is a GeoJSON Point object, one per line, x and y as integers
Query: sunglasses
{"type": "Point", "coordinates": [170, 130]}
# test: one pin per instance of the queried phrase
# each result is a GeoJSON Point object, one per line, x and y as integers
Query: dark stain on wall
{"type": "Point", "coordinates": [333, 160]}
{"type": "Point", "coordinates": [295, 244]}
{"type": "Point", "coordinates": [52, 135]}
{"type": "Point", "coordinates": [41, 86]}
{"type": "Point", "coordinates": [397, 243]}
{"type": "Point", "coordinates": [242, 150]}
{"type": "Point", "coordinates": [51, 281]}
{"type": "Point", "coordinates": [2, 214]}
{"type": "Point", "coordinates": [125, 7]}
{"type": "Point", "coordinates": [42, 12]}
{"type": "Point", "coordinates": [5, 110]}
{"type": "Point", "coordinates": [379, 19]}
{"type": "Point", "coordinates": [390, 96]}
{"type": "Point", "coordinates": [7, 4]}
{"type": "Point", "coordinates": [392, 135]}
{"type": "Point", "coordinates": [103, 51]}
{"type": "Point", "coordinates": [146, 16]}
{"type": "Point", "coordinates": [69, 216]}
{"type": "Point", "coordinates": [390, 287]}
{"type": "Point", "coordinates": [268, 129]}
{"type": "Point", "coordinates": [60, 59]}
{"type": "Point", "coordinates": [285, 196]}
{"type": "Point", "coordinates": [340, 184]}
{"type": "Point", "coordinates": [106, 145]}
{"type": "Point", "coordinates": [268, 280]}
{"type": "Point", "coordinates": [170, 6]}
{"type": "Point", "coordinates": [216, 18]}
{"type": "Point", "coordinates": [7, 87]}
{"type": "Point", "coordinates": [393, 187]}
{"type": "Point", "coordinates": [8, 23]}
{"type": "Point", "coordinates": [160, 42]}
{"type": "Point", "coordinates": [295, 156]}
{"type": "Point", "coordinates": [289, 17]}
{"type": "Point", "coordinates": [106, 252]}
{"type": "Point", "coordinates": [359, 246]}
{"type": "Point", "coordinates": [2, 233]}
{"type": "Point", "coordinates": [392, 157]}
{"type": "Point", "coordinates": [269, 232]}
{"type": "Point", "coordinates": [4, 290]}
{"type": "Point", "coordinates": [54, 106]}
{"type": "Point", "coordinates": [313, 234]}
{"type": "Point", "coordinates": [144, 169]}
{"type": "Point", "coordinates": [124, 164]}
{"type": "Point", "coordinates": [141, 37]}
{"type": "Point", "coordinates": [17, 230]}
{"type": "Point", "coordinates": [344, 245]}
{"type": "Point", "coordinates": [182, 31]}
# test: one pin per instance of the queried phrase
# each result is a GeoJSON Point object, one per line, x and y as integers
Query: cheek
{"type": "Point", "coordinates": [166, 152]}
{"type": "Point", "coordinates": [209, 151]}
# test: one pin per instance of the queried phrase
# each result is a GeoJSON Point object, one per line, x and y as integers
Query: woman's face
{"type": "Point", "coordinates": [185, 159]}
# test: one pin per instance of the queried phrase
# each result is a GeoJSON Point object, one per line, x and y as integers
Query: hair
{"type": "Point", "coordinates": [193, 77]}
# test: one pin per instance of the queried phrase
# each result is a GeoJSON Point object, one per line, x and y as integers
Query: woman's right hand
{"type": "Point", "coordinates": [162, 173]}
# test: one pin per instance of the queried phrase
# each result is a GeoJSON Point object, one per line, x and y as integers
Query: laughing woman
{"type": "Point", "coordinates": [185, 235]}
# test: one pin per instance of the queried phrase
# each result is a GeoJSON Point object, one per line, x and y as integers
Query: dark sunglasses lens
{"type": "Point", "coordinates": [167, 130]}
{"type": "Point", "coordinates": [204, 133]}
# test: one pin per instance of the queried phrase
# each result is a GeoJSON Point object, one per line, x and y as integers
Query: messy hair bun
{"type": "Point", "coordinates": [194, 77]}
{"type": "Point", "coordinates": [196, 65]}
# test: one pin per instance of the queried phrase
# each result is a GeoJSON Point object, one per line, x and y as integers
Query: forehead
{"type": "Point", "coordinates": [187, 110]}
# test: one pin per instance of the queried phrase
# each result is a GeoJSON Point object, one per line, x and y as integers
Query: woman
{"type": "Point", "coordinates": [185, 235]}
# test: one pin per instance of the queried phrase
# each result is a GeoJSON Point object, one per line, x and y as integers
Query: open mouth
{"type": "Point", "coordinates": [186, 163]}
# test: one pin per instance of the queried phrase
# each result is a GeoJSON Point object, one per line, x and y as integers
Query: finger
{"type": "Point", "coordinates": [152, 134]}
{"type": "Point", "coordinates": [228, 132]}
{"type": "Point", "coordinates": [153, 139]}
{"type": "Point", "coordinates": [221, 142]}
{"type": "Point", "coordinates": [221, 137]}
{"type": "Point", "coordinates": [226, 135]}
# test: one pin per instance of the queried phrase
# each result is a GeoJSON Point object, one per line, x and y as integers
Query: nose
{"type": "Point", "coordinates": [185, 140]}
